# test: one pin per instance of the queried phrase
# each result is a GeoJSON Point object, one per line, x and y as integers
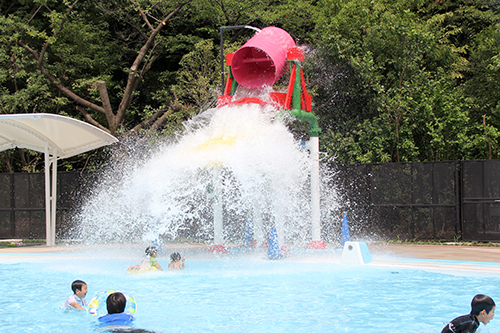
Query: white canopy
{"type": "Point", "coordinates": [58, 137]}
{"type": "Point", "coordinates": [67, 135]}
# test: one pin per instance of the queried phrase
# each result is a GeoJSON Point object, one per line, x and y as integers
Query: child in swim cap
{"type": "Point", "coordinates": [148, 264]}
{"type": "Point", "coordinates": [151, 253]}
{"type": "Point", "coordinates": [177, 262]}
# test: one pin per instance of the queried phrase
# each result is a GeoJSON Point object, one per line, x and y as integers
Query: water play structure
{"type": "Point", "coordinates": [236, 175]}
{"type": "Point", "coordinates": [261, 62]}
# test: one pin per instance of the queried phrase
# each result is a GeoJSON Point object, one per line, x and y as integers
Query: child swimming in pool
{"type": "Point", "coordinates": [115, 303]}
{"type": "Point", "coordinates": [177, 261]}
{"type": "Point", "coordinates": [149, 262]}
{"type": "Point", "coordinates": [482, 311]}
{"type": "Point", "coordinates": [77, 300]}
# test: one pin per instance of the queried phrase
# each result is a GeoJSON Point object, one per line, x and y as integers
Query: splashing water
{"type": "Point", "coordinates": [238, 158]}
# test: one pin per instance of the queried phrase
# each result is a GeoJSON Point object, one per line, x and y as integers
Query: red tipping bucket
{"type": "Point", "coordinates": [261, 61]}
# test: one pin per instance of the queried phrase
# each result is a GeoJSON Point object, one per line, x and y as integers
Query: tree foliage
{"type": "Point", "coordinates": [392, 80]}
{"type": "Point", "coordinates": [415, 58]}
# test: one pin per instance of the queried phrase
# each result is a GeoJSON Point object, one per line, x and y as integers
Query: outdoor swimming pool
{"type": "Point", "coordinates": [240, 294]}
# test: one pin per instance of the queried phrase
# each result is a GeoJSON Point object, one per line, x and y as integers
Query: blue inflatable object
{"type": "Point", "coordinates": [345, 235]}
{"type": "Point", "coordinates": [274, 251]}
{"type": "Point", "coordinates": [116, 319]}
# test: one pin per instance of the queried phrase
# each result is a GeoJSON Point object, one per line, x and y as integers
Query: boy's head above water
{"type": "Point", "coordinates": [115, 303]}
{"type": "Point", "coordinates": [79, 288]}
{"type": "Point", "coordinates": [483, 307]}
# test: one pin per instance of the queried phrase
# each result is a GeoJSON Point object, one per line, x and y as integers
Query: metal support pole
{"type": "Point", "coordinates": [315, 189]}
{"type": "Point", "coordinates": [314, 149]}
{"type": "Point", "coordinates": [217, 206]}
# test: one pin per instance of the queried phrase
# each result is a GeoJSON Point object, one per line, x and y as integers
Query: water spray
{"type": "Point", "coordinates": [235, 169]}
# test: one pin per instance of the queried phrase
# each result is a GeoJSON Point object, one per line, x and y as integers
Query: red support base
{"type": "Point", "coordinates": [218, 249]}
{"type": "Point", "coordinates": [316, 245]}
{"type": "Point", "coordinates": [285, 250]}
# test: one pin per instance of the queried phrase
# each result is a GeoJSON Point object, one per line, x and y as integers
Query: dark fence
{"type": "Point", "coordinates": [22, 203]}
{"type": "Point", "coordinates": [424, 201]}
{"type": "Point", "coordinates": [407, 201]}
{"type": "Point", "coordinates": [480, 200]}
{"type": "Point", "coordinates": [403, 200]}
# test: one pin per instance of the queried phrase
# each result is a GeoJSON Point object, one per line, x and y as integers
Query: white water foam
{"type": "Point", "coordinates": [239, 154]}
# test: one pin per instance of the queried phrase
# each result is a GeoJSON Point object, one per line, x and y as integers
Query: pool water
{"type": "Point", "coordinates": [243, 294]}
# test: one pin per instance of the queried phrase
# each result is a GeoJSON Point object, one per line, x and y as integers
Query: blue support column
{"type": "Point", "coordinates": [345, 235]}
{"type": "Point", "coordinates": [274, 251]}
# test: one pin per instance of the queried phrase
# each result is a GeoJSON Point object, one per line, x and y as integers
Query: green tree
{"type": "Point", "coordinates": [71, 46]}
{"type": "Point", "coordinates": [483, 88]}
{"type": "Point", "coordinates": [392, 80]}
{"type": "Point", "coordinates": [114, 63]}
{"type": "Point", "coordinates": [403, 57]}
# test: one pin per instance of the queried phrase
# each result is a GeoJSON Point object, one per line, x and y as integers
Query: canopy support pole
{"type": "Point", "coordinates": [50, 195]}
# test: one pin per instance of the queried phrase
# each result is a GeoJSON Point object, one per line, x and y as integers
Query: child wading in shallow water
{"type": "Point", "coordinates": [177, 261]}
{"type": "Point", "coordinates": [152, 252]}
{"type": "Point", "coordinates": [149, 263]}
{"type": "Point", "coordinates": [77, 300]}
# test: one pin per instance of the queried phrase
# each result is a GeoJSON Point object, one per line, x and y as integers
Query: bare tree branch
{"type": "Point", "coordinates": [128, 21]}
{"type": "Point", "coordinates": [145, 122]}
{"type": "Point", "coordinates": [101, 86]}
{"type": "Point", "coordinates": [39, 60]}
{"type": "Point", "coordinates": [142, 15]}
{"type": "Point", "coordinates": [62, 88]}
{"type": "Point", "coordinates": [133, 77]}
{"type": "Point", "coordinates": [91, 120]}
{"type": "Point", "coordinates": [34, 14]}
{"type": "Point", "coordinates": [148, 63]}
{"type": "Point", "coordinates": [172, 109]}
{"type": "Point", "coordinates": [141, 65]}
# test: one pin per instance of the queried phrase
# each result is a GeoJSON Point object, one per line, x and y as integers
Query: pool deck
{"type": "Point", "coordinates": [432, 252]}
{"type": "Point", "coordinates": [442, 252]}
{"type": "Point", "coordinates": [479, 259]}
